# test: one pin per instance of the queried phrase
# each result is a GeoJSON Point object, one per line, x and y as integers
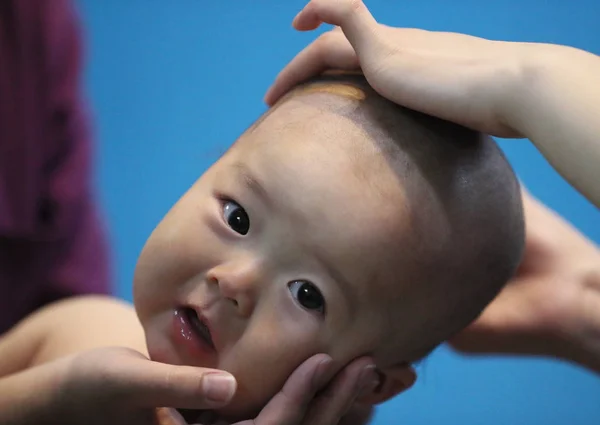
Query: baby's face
{"type": "Point", "coordinates": [283, 249]}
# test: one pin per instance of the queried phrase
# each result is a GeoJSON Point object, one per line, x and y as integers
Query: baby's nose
{"type": "Point", "coordinates": [239, 283]}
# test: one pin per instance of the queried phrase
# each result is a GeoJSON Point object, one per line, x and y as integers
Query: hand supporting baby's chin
{"type": "Point", "coordinates": [359, 414]}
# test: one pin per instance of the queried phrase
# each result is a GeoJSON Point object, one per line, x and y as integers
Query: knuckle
{"type": "Point", "coordinates": [328, 41]}
{"type": "Point", "coordinates": [171, 378]}
{"type": "Point", "coordinates": [329, 37]}
{"type": "Point", "coordinates": [350, 7]}
{"type": "Point", "coordinates": [354, 5]}
{"type": "Point", "coordinates": [342, 10]}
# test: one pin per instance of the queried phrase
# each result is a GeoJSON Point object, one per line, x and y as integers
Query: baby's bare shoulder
{"type": "Point", "coordinates": [87, 322]}
{"type": "Point", "coordinates": [66, 327]}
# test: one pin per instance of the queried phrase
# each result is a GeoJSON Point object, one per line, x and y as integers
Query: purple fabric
{"type": "Point", "coordinates": [52, 241]}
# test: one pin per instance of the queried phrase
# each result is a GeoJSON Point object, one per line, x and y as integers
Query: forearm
{"type": "Point", "coordinates": [556, 104]}
{"type": "Point", "coordinates": [588, 339]}
{"type": "Point", "coordinates": [577, 336]}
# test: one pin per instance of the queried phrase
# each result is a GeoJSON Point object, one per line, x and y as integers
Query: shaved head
{"type": "Point", "coordinates": [339, 223]}
{"type": "Point", "coordinates": [461, 200]}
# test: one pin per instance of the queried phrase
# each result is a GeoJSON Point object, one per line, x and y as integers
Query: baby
{"type": "Point", "coordinates": [338, 223]}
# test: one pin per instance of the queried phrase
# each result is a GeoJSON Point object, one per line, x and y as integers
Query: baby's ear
{"type": "Point", "coordinates": [392, 381]}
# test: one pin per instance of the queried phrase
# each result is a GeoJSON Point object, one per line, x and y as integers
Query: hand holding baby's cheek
{"type": "Point", "coordinates": [313, 396]}
{"type": "Point", "coordinates": [335, 403]}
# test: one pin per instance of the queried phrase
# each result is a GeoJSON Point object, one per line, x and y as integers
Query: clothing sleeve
{"type": "Point", "coordinates": [52, 239]}
{"type": "Point", "coordinates": [68, 206]}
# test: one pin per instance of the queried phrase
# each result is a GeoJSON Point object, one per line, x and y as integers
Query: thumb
{"type": "Point", "coordinates": [352, 16]}
{"type": "Point", "coordinates": [149, 384]}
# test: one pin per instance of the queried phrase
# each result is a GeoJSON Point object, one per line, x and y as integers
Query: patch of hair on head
{"type": "Point", "coordinates": [339, 89]}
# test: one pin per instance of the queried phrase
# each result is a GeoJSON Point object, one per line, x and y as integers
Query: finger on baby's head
{"type": "Point", "coordinates": [351, 15]}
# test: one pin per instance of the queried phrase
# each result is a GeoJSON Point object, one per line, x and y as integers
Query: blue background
{"type": "Point", "coordinates": [173, 83]}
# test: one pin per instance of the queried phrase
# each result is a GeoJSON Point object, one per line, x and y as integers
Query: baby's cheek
{"type": "Point", "coordinates": [264, 359]}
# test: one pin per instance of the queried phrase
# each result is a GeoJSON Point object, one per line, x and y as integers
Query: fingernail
{"type": "Point", "coordinates": [218, 388]}
{"type": "Point", "coordinates": [368, 380]}
{"type": "Point", "coordinates": [321, 374]}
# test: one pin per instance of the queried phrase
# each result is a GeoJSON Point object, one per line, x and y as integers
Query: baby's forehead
{"type": "Point", "coordinates": [323, 164]}
{"type": "Point", "coordinates": [318, 129]}
{"type": "Point", "coordinates": [318, 154]}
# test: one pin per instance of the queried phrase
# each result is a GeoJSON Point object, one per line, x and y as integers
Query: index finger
{"type": "Point", "coordinates": [131, 378]}
{"type": "Point", "coordinates": [352, 16]}
{"type": "Point", "coordinates": [358, 39]}
{"type": "Point", "coordinates": [330, 51]}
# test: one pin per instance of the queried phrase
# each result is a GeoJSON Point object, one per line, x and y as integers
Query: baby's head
{"type": "Point", "coordinates": [338, 223]}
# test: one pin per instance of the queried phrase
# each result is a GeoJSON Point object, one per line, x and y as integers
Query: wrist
{"type": "Point", "coordinates": [581, 340]}
{"type": "Point", "coordinates": [523, 83]}
{"type": "Point", "coordinates": [588, 337]}
{"type": "Point", "coordinates": [553, 101]}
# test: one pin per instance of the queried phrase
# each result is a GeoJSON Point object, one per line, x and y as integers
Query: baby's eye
{"type": "Point", "coordinates": [236, 217]}
{"type": "Point", "coordinates": [307, 295]}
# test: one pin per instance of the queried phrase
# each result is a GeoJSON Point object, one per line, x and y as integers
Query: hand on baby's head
{"type": "Point", "coordinates": [338, 223]}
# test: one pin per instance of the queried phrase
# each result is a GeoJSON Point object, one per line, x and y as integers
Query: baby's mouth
{"type": "Point", "coordinates": [198, 325]}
